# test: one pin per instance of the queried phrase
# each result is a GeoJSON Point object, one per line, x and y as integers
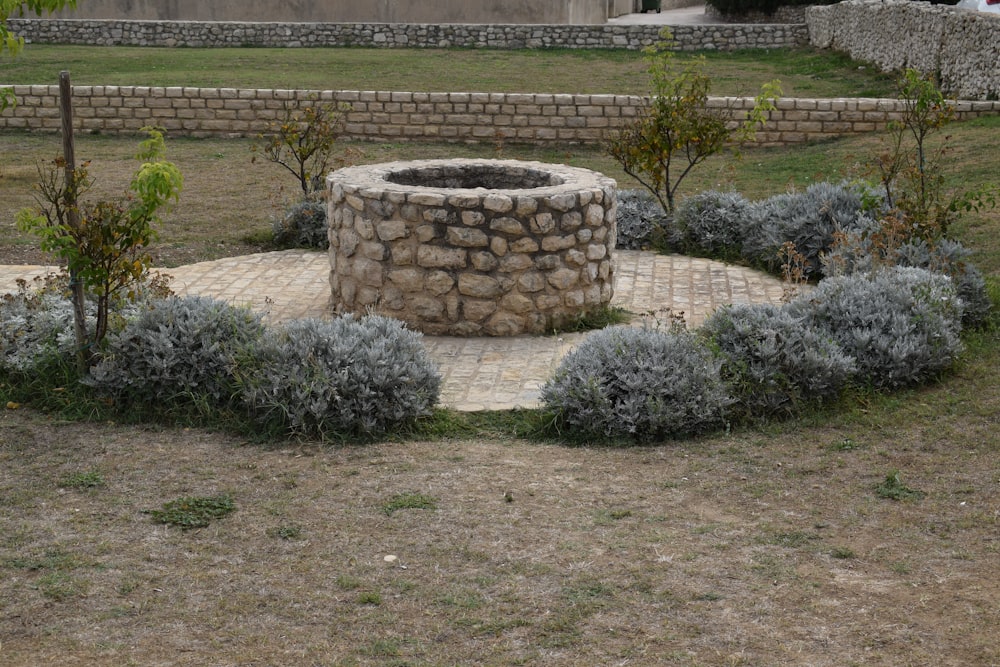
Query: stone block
{"type": "Point", "coordinates": [477, 310]}
{"type": "Point", "coordinates": [434, 257]}
{"type": "Point", "coordinates": [557, 243]}
{"type": "Point", "coordinates": [478, 286]}
{"type": "Point", "coordinates": [507, 225]}
{"type": "Point", "coordinates": [439, 282]}
{"type": "Point", "coordinates": [467, 237]}
{"type": "Point", "coordinates": [563, 279]}
{"type": "Point", "coordinates": [524, 245]}
{"type": "Point", "coordinates": [408, 279]}
{"type": "Point", "coordinates": [390, 230]}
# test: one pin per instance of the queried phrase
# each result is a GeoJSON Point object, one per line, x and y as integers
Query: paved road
{"type": "Point", "coordinates": [683, 16]}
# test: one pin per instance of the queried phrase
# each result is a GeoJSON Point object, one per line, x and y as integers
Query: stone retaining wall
{"type": "Point", "coordinates": [223, 34]}
{"type": "Point", "coordinates": [393, 116]}
{"type": "Point", "coordinates": [962, 47]}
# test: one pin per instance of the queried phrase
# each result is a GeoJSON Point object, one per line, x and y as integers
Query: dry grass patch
{"type": "Point", "coordinates": [228, 204]}
{"type": "Point", "coordinates": [767, 547]}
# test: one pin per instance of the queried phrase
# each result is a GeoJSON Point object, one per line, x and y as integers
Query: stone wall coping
{"type": "Point", "coordinates": [371, 176]}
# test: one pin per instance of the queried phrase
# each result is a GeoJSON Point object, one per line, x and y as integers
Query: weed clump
{"type": "Point", "coordinates": [196, 512]}
{"type": "Point", "coordinates": [637, 383]}
{"type": "Point", "coordinates": [408, 501]}
{"type": "Point", "coordinates": [893, 488]}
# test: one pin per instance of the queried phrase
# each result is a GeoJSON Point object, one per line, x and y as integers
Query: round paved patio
{"type": "Point", "coordinates": [477, 373]}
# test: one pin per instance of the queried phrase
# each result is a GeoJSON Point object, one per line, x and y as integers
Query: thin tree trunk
{"type": "Point", "coordinates": [73, 218]}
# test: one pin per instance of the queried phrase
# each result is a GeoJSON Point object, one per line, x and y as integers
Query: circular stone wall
{"type": "Point", "coordinates": [471, 247]}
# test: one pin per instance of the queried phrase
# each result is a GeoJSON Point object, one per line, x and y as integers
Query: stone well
{"type": "Point", "coordinates": [468, 247]}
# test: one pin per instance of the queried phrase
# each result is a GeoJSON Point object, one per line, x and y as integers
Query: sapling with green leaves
{"type": "Point", "coordinates": [104, 243]}
{"type": "Point", "coordinates": [910, 163]}
{"type": "Point", "coordinates": [677, 129]}
{"type": "Point", "coordinates": [302, 142]}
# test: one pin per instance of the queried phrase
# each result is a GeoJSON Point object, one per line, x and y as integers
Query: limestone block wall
{"type": "Point", "coordinates": [961, 46]}
{"type": "Point", "coordinates": [537, 118]}
{"type": "Point", "coordinates": [221, 34]}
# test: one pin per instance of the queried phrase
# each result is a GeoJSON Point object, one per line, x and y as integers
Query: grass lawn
{"type": "Point", "coordinates": [785, 544]}
{"type": "Point", "coordinates": [803, 72]}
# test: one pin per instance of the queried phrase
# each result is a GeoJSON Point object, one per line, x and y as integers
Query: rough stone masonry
{"type": "Point", "coordinates": [471, 247]}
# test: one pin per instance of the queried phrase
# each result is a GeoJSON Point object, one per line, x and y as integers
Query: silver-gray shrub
{"type": "Point", "coordinates": [952, 258]}
{"type": "Point", "coordinates": [341, 377]}
{"type": "Point", "coordinates": [901, 325]}
{"type": "Point", "coordinates": [640, 220]}
{"type": "Point", "coordinates": [177, 350]}
{"type": "Point", "coordinates": [712, 222]}
{"type": "Point", "coordinates": [807, 219]}
{"type": "Point", "coordinates": [643, 384]}
{"type": "Point", "coordinates": [303, 225]}
{"type": "Point", "coordinates": [858, 253]}
{"type": "Point", "coordinates": [775, 361]}
{"type": "Point", "coordinates": [36, 327]}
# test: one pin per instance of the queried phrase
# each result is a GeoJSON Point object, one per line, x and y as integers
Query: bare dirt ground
{"type": "Point", "coordinates": [768, 547]}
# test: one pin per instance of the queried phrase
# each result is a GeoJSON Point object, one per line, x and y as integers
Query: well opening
{"type": "Point", "coordinates": [471, 177]}
{"type": "Point", "coordinates": [471, 247]}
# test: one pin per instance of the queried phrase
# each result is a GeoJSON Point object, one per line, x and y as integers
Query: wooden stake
{"type": "Point", "coordinates": [73, 219]}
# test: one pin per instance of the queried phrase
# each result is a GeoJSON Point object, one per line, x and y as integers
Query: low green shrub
{"type": "Point", "coordinates": [303, 225]}
{"type": "Point", "coordinates": [641, 384]}
{"type": "Point", "coordinates": [900, 324]}
{"type": "Point", "coordinates": [178, 350]}
{"type": "Point", "coordinates": [345, 377]}
{"type": "Point", "coordinates": [773, 361]}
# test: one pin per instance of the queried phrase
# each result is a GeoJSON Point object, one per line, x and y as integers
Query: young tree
{"type": "Point", "coordinates": [677, 130]}
{"type": "Point", "coordinates": [104, 243]}
{"type": "Point", "coordinates": [303, 141]}
{"type": "Point", "coordinates": [911, 163]}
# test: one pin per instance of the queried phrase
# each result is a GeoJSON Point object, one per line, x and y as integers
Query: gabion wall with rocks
{"type": "Point", "coordinates": [537, 118]}
{"type": "Point", "coordinates": [221, 34]}
{"type": "Point", "coordinates": [471, 247]}
{"type": "Point", "coordinates": [960, 46]}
